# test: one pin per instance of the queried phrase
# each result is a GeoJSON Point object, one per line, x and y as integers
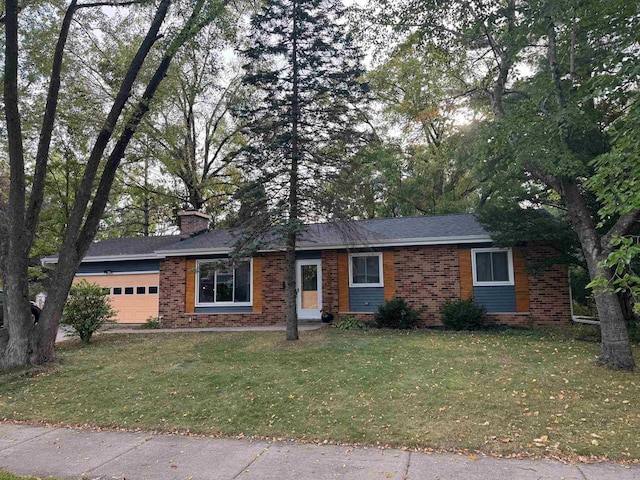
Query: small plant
{"type": "Point", "coordinates": [87, 310]}
{"type": "Point", "coordinates": [462, 315]}
{"type": "Point", "coordinates": [349, 323]}
{"type": "Point", "coordinates": [396, 313]}
{"type": "Point", "coordinates": [152, 323]}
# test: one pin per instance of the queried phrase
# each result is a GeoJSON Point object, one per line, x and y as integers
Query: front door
{"type": "Point", "coordinates": [309, 286]}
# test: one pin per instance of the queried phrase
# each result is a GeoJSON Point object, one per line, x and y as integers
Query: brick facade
{"type": "Point", "coordinates": [426, 276]}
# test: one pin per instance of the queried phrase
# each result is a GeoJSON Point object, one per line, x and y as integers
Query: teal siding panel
{"type": "Point", "coordinates": [365, 299]}
{"type": "Point", "coordinates": [498, 299]}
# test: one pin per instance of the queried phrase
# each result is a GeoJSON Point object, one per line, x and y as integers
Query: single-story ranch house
{"type": "Point", "coordinates": [343, 268]}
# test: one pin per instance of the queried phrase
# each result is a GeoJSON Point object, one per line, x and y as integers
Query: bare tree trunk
{"type": "Point", "coordinates": [615, 346]}
{"type": "Point", "coordinates": [292, 234]}
{"type": "Point", "coordinates": [291, 294]}
{"type": "Point", "coordinates": [17, 319]}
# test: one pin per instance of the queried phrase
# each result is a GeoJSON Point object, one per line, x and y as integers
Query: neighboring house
{"type": "Point", "coordinates": [345, 268]}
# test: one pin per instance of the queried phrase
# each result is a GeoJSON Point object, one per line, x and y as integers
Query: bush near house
{"type": "Point", "coordinates": [396, 313]}
{"type": "Point", "coordinates": [462, 315]}
{"type": "Point", "coordinates": [87, 310]}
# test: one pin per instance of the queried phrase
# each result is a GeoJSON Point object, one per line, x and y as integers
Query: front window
{"type": "Point", "coordinates": [492, 266]}
{"type": "Point", "coordinates": [220, 284]}
{"type": "Point", "coordinates": [366, 270]}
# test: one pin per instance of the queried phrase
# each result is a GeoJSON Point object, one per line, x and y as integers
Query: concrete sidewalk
{"type": "Point", "coordinates": [73, 454]}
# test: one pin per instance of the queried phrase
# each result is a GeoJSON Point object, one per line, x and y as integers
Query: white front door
{"type": "Point", "coordinates": [309, 287]}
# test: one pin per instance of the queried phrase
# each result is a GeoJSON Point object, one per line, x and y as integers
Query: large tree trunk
{"type": "Point", "coordinates": [291, 294]}
{"type": "Point", "coordinates": [616, 346]}
{"type": "Point", "coordinates": [294, 210]}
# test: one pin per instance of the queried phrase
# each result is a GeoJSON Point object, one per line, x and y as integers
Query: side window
{"type": "Point", "coordinates": [492, 266]}
{"type": "Point", "coordinates": [365, 270]}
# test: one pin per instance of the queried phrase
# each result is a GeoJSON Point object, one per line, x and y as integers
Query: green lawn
{"type": "Point", "coordinates": [10, 476]}
{"type": "Point", "coordinates": [505, 393]}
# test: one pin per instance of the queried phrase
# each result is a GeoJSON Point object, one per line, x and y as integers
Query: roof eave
{"type": "Point", "coordinates": [107, 258]}
{"type": "Point", "coordinates": [379, 244]}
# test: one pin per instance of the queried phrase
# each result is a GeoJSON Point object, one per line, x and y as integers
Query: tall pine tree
{"type": "Point", "coordinates": [305, 71]}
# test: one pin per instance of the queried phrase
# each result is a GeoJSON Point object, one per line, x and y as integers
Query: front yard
{"type": "Point", "coordinates": [504, 393]}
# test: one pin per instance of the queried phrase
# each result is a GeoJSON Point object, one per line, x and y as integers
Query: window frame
{"type": "Point", "coordinates": [492, 283]}
{"type": "Point", "coordinates": [380, 270]}
{"type": "Point", "coordinates": [198, 303]}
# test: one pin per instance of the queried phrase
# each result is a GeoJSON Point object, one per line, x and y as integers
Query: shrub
{"type": "Point", "coordinates": [396, 313]}
{"type": "Point", "coordinates": [152, 323]}
{"type": "Point", "coordinates": [349, 323]}
{"type": "Point", "coordinates": [87, 310]}
{"type": "Point", "coordinates": [462, 315]}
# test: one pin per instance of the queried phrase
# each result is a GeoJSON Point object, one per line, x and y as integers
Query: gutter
{"type": "Point", "coordinates": [470, 239]}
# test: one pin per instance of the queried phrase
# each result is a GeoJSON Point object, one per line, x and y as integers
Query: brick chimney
{"type": "Point", "coordinates": [190, 222]}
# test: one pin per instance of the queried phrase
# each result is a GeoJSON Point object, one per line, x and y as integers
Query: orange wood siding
{"type": "Point", "coordinates": [134, 308]}
{"type": "Point", "coordinates": [521, 280]}
{"type": "Point", "coordinates": [343, 282]}
{"type": "Point", "coordinates": [190, 287]}
{"type": "Point", "coordinates": [257, 284]}
{"type": "Point", "coordinates": [466, 273]}
{"type": "Point", "coordinates": [389, 274]}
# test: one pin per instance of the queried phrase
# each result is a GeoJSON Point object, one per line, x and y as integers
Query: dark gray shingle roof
{"type": "Point", "coordinates": [377, 232]}
{"type": "Point", "coordinates": [130, 246]}
{"type": "Point", "coordinates": [353, 233]}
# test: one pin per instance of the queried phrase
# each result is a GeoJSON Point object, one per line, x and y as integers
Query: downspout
{"type": "Point", "coordinates": [577, 318]}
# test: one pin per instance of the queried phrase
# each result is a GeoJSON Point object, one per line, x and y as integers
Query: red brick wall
{"type": "Point", "coordinates": [549, 298]}
{"type": "Point", "coordinates": [172, 297]}
{"type": "Point", "coordinates": [426, 277]}
{"type": "Point", "coordinates": [330, 281]}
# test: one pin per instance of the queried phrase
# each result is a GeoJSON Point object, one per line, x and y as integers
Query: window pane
{"type": "Point", "coordinates": [153, 290]}
{"type": "Point", "coordinates": [309, 278]}
{"type": "Point", "coordinates": [224, 286]}
{"type": "Point", "coordinates": [117, 290]}
{"type": "Point", "coordinates": [359, 269]}
{"type": "Point", "coordinates": [205, 287]}
{"type": "Point", "coordinates": [141, 290]}
{"type": "Point", "coordinates": [483, 266]}
{"type": "Point", "coordinates": [373, 269]}
{"type": "Point", "coordinates": [243, 283]}
{"type": "Point", "coordinates": [128, 290]}
{"type": "Point", "coordinates": [500, 267]}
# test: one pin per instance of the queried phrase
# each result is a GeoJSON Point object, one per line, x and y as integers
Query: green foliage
{"type": "Point", "coordinates": [152, 323]}
{"type": "Point", "coordinates": [303, 117]}
{"type": "Point", "coordinates": [624, 262]}
{"type": "Point", "coordinates": [349, 323]}
{"type": "Point", "coordinates": [396, 313]}
{"type": "Point", "coordinates": [87, 310]}
{"type": "Point", "coordinates": [462, 315]}
{"type": "Point", "coordinates": [511, 225]}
